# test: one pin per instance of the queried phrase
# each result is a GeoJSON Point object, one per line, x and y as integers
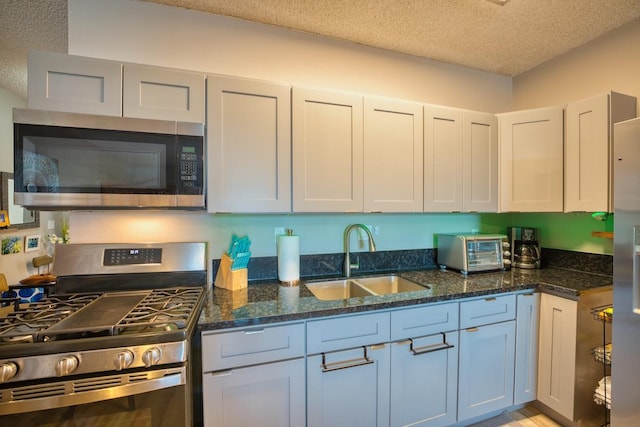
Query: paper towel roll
{"type": "Point", "coordinates": [289, 258]}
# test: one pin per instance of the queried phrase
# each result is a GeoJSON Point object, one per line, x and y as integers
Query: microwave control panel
{"type": "Point", "coordinates": [190, 164]}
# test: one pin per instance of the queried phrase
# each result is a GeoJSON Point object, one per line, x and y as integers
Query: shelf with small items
{"type": "Point", "coordinates": [603, 355]}
{"type": "Point", "coordinates": [603, 313]}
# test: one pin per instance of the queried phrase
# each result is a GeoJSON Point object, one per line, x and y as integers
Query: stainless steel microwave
{"type": "Point", "coordinates": [471, 252]}
{"type": "Point", "coordinates": [83, 161]}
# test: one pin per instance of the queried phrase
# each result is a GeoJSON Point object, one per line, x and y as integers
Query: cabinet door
{"type": "Point", "coordinates": [349, 388]}
{"type": "Point", "coordinates": [531, 160]}
{"type": "Point", "coordinates": [557, 353]}
{"type": "Point", "coordinates": [270, 395]}
{"type": "Point", "coordinates": [249, 146]}
{"type": "Point", "coordinates": [164, 94]}
{"type": "Point", "coordinates": [392, 156]}
{"type": "Point", "coordinates": [75, 84]}
{"type": "Point", "coordinates": [527, 322]}
{"type": "Point", "coordinates": [589, 150]}
{"type": "Point", "coordinates": [442, 159]}
{"type": "Point", "coordinates": [479, 162]}
{"type": "Point", "coordinates": [486, 369]}
{"type": "Point", "coordinates": [424, 378]}
{"type": "Point", "coordinates": [327, 151]}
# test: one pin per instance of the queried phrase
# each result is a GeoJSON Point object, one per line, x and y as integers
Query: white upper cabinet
{"type": "Point", "coordinates": [249, 146]}
{"type": "Point", "coordinates": [589, 150]}
{"type": "Point", "coordinates": [460, 160]}
{"type": "Point", "coordinates": [160, 93]}
{"type": "Point", "coordinates": [327, 151]}
{"type": "Point", "coordinates": [479, 162]}
{"type": "Point", "coordinates": [442, 159]}
{"type": "Point", "coordinates": [75, 84]}
{"type": "Point", "coordinates": [392, 156]}
{"type": "Point", "coordinates": [531, 160]}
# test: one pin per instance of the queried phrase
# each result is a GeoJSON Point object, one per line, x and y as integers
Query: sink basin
{"type": "Point", "coordinates": [383, 285]}
{"type": "Point", "coordinates": [363, 287]}
{"type": "Point", "coordinates": [337, 289]}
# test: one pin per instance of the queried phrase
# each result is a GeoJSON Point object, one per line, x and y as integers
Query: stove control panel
{"type": "Point", "coordinates": [129, 256]}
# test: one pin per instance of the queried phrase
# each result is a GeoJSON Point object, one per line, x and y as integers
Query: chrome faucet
{"type": "Point", "coordinates": [347, 259]}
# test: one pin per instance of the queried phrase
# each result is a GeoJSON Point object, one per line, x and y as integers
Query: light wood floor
{"type": "Point", "coordinates": [531, 417]}
{"type": "Point", "coordinates": [528, 416]}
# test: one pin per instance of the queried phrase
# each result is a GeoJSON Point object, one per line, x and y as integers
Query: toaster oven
{"type": "Point", "coordinates": [470, 252]}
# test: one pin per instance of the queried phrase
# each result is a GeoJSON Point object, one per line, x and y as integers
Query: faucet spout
{"type": "Point", "coordinates": [348, 266]}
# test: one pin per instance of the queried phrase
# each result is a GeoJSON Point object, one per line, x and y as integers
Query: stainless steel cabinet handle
{"type": "Point", "coordinates": [490, 299]}
{"type": "Point", "coordinates": [344, 364]}
{"type": "Point", "coordinates": [444, 345]}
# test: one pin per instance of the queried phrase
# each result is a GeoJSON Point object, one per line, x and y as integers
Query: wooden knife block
{"type": "Point", "coordinates": [230, 279]}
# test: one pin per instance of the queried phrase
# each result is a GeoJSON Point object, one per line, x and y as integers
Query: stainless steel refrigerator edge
{"type": "Point", "coordinates": [625, 368]}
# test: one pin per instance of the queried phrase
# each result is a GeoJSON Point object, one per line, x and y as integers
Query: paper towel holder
{"type": "Point", "coordinates": [289, 283]}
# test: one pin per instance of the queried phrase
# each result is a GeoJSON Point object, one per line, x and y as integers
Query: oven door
{"type": "Point", "coordinates": [83, 161]}
{"type": "Point", "coordinates": [155, 398]}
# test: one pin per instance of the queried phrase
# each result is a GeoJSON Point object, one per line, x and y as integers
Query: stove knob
{"type": "Point", "coordinates": [7, 371]}
{"type": "Point", "coordinates": [123, 360]}
{"type": "Point", "coordinates": [151, 356]}
{"type": "Point", "coordinates": [66, 365]}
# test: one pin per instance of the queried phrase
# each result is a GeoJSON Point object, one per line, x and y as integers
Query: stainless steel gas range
{"type": "Point", "coordinates": [111, 345]}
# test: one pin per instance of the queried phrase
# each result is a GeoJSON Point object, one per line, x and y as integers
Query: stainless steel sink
{"type": "Point", "coordinates": [383, 285]}
{"type": "Point", "coordinates": [362, 287]}
{"type": "Point", "coordinates": [337, 289]}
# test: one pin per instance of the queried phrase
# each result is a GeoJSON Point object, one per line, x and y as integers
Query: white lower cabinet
{"type": "Point", "coordinates": [348, 371]}
{"type": "Point", "coordinates": [424, 379]}
{"type": "Point", "coordinates": [557, 360]}
{"type": "Point", "coordinates": [349, 388]}
{"type": "Point", "coordinates": [254, 377]}
{"type": "Point", "coordinates": [527, 330]}
{"type": "Point", "coordinates": [487, 356]}
{"type": "Point", "coordinates": [430, 365]}
{"type": "Point", "coordinates": [424, 365]}
{"type": "Point", "coordinates": [270, 395]}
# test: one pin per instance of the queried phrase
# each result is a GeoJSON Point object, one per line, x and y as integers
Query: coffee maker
{"type": "Point", "coordinates": [525, 247]}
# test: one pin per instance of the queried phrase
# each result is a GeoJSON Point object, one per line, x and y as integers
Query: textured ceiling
{"type": "Point", "coordinates": [481, 34]}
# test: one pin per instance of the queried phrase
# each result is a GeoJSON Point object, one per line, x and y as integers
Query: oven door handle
{"type": "Point", "coordinates": [88, 390]}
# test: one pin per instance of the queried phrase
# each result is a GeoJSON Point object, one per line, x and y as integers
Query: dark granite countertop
{"type": "Point", "coordinates": [268, 302]}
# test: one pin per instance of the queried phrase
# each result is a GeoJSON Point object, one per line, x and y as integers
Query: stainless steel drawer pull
{"type": "Point", "coordinates": [430, 348]}
{"type": "Point", "coordinates": [344, 364]}
{"type": "Point", "coordinates": [490, 299]}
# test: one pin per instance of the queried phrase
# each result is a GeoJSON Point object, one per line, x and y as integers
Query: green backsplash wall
{"type": "Point", "coordinates": [323, 233]}
{"type": "Point", "coordinates": [567, 231]}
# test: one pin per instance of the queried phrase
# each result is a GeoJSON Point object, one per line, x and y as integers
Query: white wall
{"type": "Point", "coordinates": [158, 35]}
{"type": "Point", "coordinates": [611, 62]}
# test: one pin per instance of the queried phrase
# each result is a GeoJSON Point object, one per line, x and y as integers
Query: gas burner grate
{"type": "Point", "coordinates": [76, 316]}
{"type": "Point", "coordinates": [162, 310]}
{"type": "Point", "coordinates": [26, 324]}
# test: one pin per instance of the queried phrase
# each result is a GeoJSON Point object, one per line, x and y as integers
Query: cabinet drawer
{"type": "Point", "coordinates": [251, 346]}
{"type": "Point", "coordinates": [492, 309]}
{"type": "Point", "coordinates": [347, 332]}
{"type": "Point", "coordinates": [421, 321]}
